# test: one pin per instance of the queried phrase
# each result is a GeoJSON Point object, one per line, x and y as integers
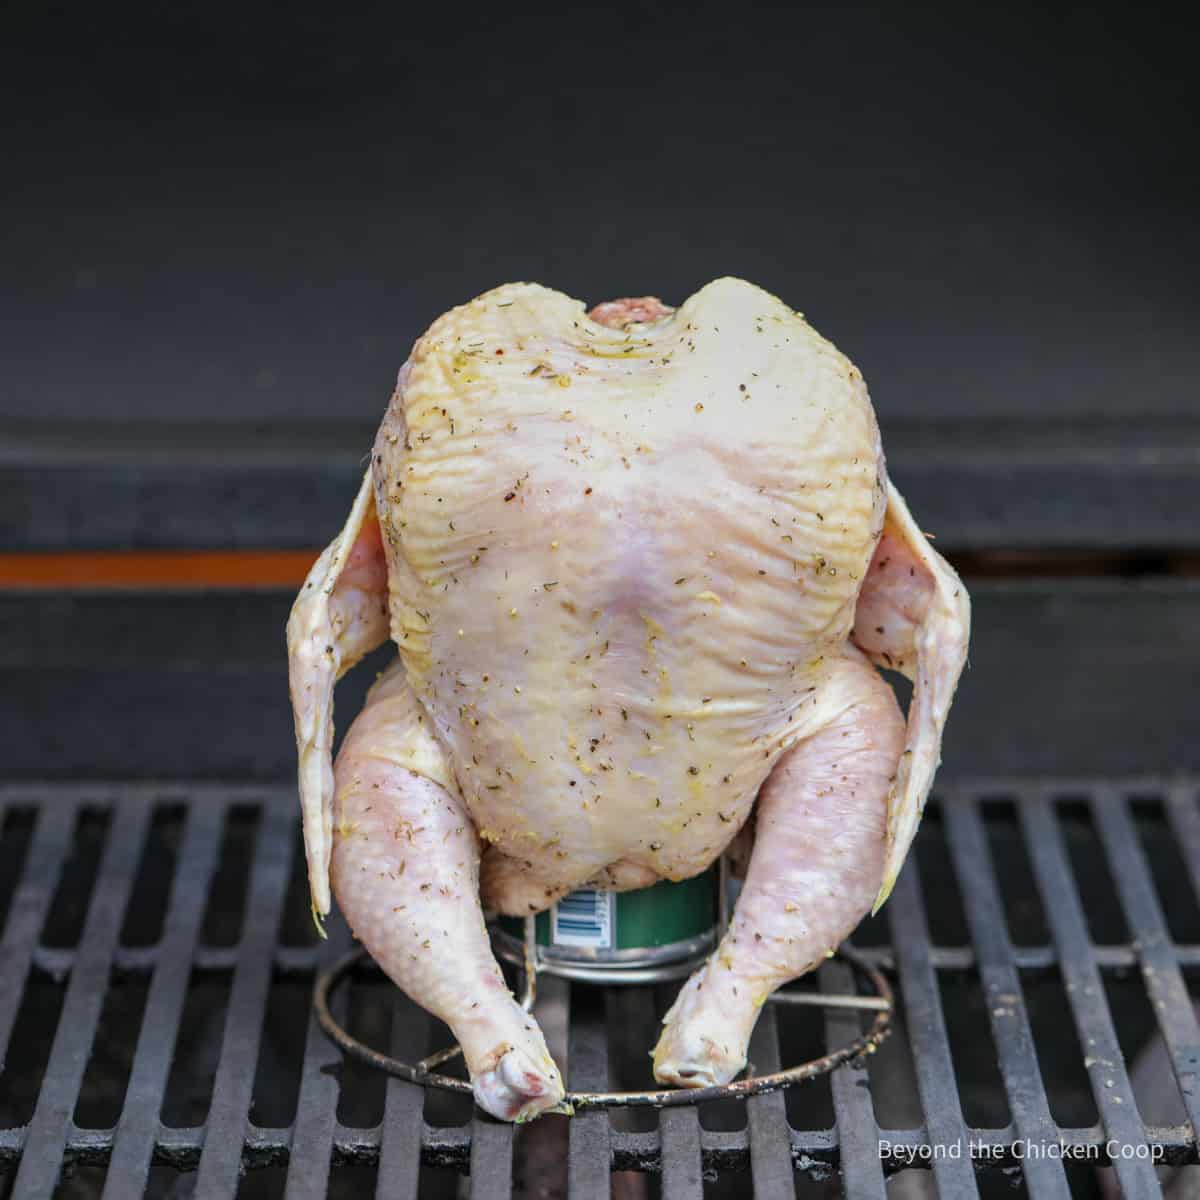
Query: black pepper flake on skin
{"type": "Point", "coordinates": [508, 497]}
{"type": "Point", "coordinates": [693, 770]}
{"type": "Point", "coordinates": [587, 491]}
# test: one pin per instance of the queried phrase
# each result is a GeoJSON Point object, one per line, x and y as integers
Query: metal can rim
{"type": "Point", "coordinates": [652, 964]}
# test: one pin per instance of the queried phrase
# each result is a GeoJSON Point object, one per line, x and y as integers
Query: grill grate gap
{"type": "Point", "coordinates": [81, 1181]}
{"type": "Point", "coordinates": [281, 1052]}
{"type": "Point", "coordinates": [1133, 1018]}
{"type": "Point", "coordinates": [947, 923]}
{"type": "Point", "coordinates": [631, 1030]}
{"type": "Point", "coordinates": [1010, 1184]}
{"type": "Point", "coordinates": [980, 1087]}
{"type": "Point", "coordinates": [68, 909]}
{"type": "Point", "coordinates": [29, 1049]}
{"type": "Point", "coordinates": [352, 1181]}
{"type": "Point", "coordinates": [227, 896]}
{"type": "Point", "coordinates": [106, 1078]}
{"type": "Point", "coordinates": [1058, 1051]}
{"type": "Point", "coordinates": [1154, 1086]}
{"type": "Point", "coordinates": [296, 926]}
{"type": "Point", "coordinates": [197, 1050]}
{"type": "Point", "coordinates": [16, 830]}
{"type": "Point", "coordinates": [808, 1188]}
{"type": "Point", "coordinates": [1097, 889]}
{"type": "Point", "coordinates": [444, 1110]}
{"type": "Point", "coordinates": [369, 1019]}
{"type": "Point", "coordinates": [267, 1183]}
{"type": "Point", "coordinates": [893, 1075]}
{"type": "Point", "coordinates": [1168, 869]}
{"type": "Point", "coordinates": [810, 1105]}
{"type": "Point", "coordinates": [725, 1116]}
{"type": "Point", "coordinates": [1022, 906]}
{"type": "Point", "coordinates": [166, 1183]}
{"type": "Point", "coordinates": [434, 1183]}
{"type": "Point", "coordinates": [148, 901]}
{"type": "Point", "coordinates": [729, 1185]}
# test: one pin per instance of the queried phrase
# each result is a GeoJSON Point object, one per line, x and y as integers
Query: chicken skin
{"type": "Point", "coordinates": [639, 566]}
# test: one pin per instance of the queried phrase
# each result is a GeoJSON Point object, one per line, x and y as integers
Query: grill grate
{"type": "Point", "coordinates": [1021, 893]}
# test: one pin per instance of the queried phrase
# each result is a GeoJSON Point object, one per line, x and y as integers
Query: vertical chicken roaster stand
{"type": "Point", "coordinates": [656, 916]}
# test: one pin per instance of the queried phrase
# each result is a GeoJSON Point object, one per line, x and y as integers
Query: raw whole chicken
{"type": "Point", "coordinates": [640, 565]}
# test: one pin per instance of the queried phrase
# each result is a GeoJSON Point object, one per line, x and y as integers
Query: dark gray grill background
{"type": "Point", "coordinates": [109, 890]}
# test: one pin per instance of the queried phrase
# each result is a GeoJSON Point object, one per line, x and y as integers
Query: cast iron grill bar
{"type": "Point", "coordinates": [926, 1028]}
{"type": "Point", "coordinates": [1002, 992]}
{"type": "Point", "coordinates": [226, 1127]}
{"type": "Point", "coordinates": [402, 1127]}
{"type": "Point", "coordinates": [631, 1151]}
{"type": "Point", "coordinates": [302, 960]}
{"type": "Point", "coordinates": [491, 1159]}
{"type": "Point", "coordinates": [681, 1154]}
{"type": "Point", "coordinates": [30, 905]}
{"type": "Point", "coordinates": [316, 1106]}
{"type": "Point", "coordinates": [404, 1139]}
{"type": "Point", "coordinates": [854, 1114]}
{"type": "Point", "coordinates": [133, 1142]}
{"type": "Point", "coordinates": [590, 1157]}
{"type": "Point", "coordinates": [766, 1118]}
{"type": "Point", "coordinates": [1160, 972]}
{"type": "Point", "coordinates": [1085, 992]}
{"type": "Point", "coordinates": [42, 1160]}
{"type": "Point", "coordinates": [679, 1134]}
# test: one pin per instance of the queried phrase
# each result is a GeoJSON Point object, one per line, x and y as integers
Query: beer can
{"type": "Point", "coordinates": [645, 936]}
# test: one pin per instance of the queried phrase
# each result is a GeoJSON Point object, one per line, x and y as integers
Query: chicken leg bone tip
{"type": "Point", "coordinates": [519, 1089]}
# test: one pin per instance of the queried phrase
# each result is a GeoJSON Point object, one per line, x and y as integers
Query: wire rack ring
{"type": "Point", "coordinates": [882, 1003]}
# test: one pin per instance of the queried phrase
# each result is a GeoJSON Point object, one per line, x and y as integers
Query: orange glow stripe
{"type": "Point", "coordinates": [232, 569]}
{"type": "Point", "coordinates": [157, 569]}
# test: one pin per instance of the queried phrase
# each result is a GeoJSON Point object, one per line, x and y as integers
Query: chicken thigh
{"type": "Point", "coordinates": [639, 566]}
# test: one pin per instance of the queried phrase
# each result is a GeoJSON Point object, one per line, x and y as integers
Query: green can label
{"type": "Point", "coordinates": [598, 921]}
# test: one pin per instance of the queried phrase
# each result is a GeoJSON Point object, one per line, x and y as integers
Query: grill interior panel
{"type": "Point", "coordinates": [169, 1007]}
